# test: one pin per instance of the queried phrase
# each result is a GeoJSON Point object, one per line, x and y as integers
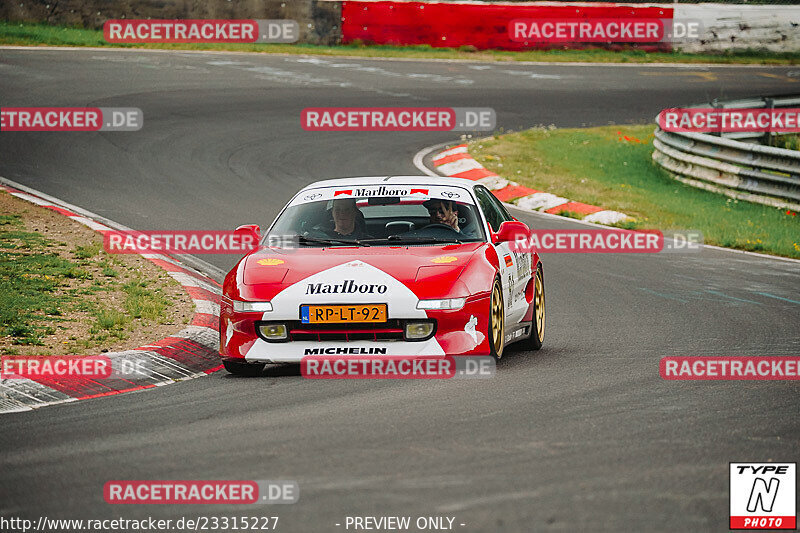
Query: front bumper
{"type": "Point", "coordinates": [460, 332]}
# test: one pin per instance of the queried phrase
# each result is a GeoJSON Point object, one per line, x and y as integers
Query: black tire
{"type": "Point", "coordinates": [243, 369]}
{"type": "Point", "coordinates": [497, 323]}
{"type": "Point", "coordinates": [536, 339]}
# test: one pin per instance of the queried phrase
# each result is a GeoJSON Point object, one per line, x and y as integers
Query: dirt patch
{"type": "Point", "coordinates": [63, 294]}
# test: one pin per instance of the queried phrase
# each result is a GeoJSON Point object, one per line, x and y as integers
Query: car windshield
{"type": "Point", "coordinates": [378, 216]}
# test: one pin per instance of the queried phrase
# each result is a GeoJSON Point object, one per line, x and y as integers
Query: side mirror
{"type": "Point", "coordinates": [509, 230]}
{"type": "Point", "coordinates": [249, 235]}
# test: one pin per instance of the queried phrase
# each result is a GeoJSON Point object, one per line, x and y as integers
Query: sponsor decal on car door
{"type": "Point", "coordinates": [514, 268]}
{"type": "Point", "coordinates": [511, 273]}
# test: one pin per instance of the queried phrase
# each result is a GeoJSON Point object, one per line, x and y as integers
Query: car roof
{"type": "Point", "coordinates": [393, 180]}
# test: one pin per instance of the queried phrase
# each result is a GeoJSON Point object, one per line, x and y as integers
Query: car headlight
{"type": "Point", "coordinates": [273, 332]}
{"type": "Point", "coordinates": [449, 303]}
{"type": "Point", "coordinates": [244, 307]}
{"type": "Point", "coordinates": [419, 330]}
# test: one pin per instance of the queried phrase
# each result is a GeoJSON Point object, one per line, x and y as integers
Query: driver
{"type": "Point", "coordinates": [442, 212]}
{"type": "Point", "coordinates": [346, 216]}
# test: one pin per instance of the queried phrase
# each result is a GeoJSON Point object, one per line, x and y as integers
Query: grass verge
{"type": "Point", "coordinates": [60, 293]}
{"type": "Point", "coordinates": [611, 167]}
{"type": "Point", "coordinates": [26, 34]}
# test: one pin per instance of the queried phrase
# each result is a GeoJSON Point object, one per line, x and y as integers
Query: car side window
{"type": "Point", "coordinates": [494, 216]}
{"type": "Point", "coordinates": [500, 207]}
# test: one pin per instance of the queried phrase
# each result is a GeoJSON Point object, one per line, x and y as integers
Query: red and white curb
{"type": "Point", "coordinates": [192, 352]}
{"type": "Point", "coordinates": [458, 163]}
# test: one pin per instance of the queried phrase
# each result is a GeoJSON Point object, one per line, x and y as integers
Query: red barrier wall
{"type": "Point", "coordinates": [484, 26]}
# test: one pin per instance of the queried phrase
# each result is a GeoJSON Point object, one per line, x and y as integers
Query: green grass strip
{"type": "Point", "coordinates": [26, 34]}
{"type": "Point", "coordinates": [611, 167]}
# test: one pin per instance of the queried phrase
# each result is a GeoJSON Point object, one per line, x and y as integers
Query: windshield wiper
{"type": "Point", "coordinates": [355, 242]}
{"type": "Point", "coordinates": [417, 240]}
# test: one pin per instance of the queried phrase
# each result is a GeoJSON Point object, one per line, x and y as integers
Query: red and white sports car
{"type": "Point", "coordinates": [383, 266]}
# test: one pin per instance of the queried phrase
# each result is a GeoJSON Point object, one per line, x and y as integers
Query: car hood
{"type": "Point", "coordinates": [429, 271]}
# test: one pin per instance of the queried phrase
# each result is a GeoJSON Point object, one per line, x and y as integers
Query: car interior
{"type": "Point", "coordinates": [377, 218]}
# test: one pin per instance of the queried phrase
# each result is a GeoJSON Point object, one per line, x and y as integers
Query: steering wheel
{"type": "Point", "coordinates": [437, 226]}
{"type": "Point", "coordinates": [317, 231]}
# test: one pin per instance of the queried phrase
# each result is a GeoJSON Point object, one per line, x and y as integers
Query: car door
{"type": "Point", "coordinates": [515, 267]}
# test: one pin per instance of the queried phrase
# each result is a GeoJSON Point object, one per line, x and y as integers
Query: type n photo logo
{"type": "Point", "coordinates": [762, 495]}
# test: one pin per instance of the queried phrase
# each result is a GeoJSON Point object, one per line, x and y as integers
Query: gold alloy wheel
{"type": "Point", "coordinates": [539, 299]}
{"type": "Point", "coordinates": [498, 320]}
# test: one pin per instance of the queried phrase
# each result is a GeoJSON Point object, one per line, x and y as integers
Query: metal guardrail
{"type": "Point", "coordinates": [745, 171]}
{"type": "Point", "coordinates": [765, 102]}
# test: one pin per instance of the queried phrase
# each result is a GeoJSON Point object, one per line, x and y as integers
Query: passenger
{"type": "Point", "coordinates": [443, 212]}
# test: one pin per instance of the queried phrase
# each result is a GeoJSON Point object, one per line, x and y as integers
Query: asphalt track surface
{"type": "Point", "coordinates": [583, 435]}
